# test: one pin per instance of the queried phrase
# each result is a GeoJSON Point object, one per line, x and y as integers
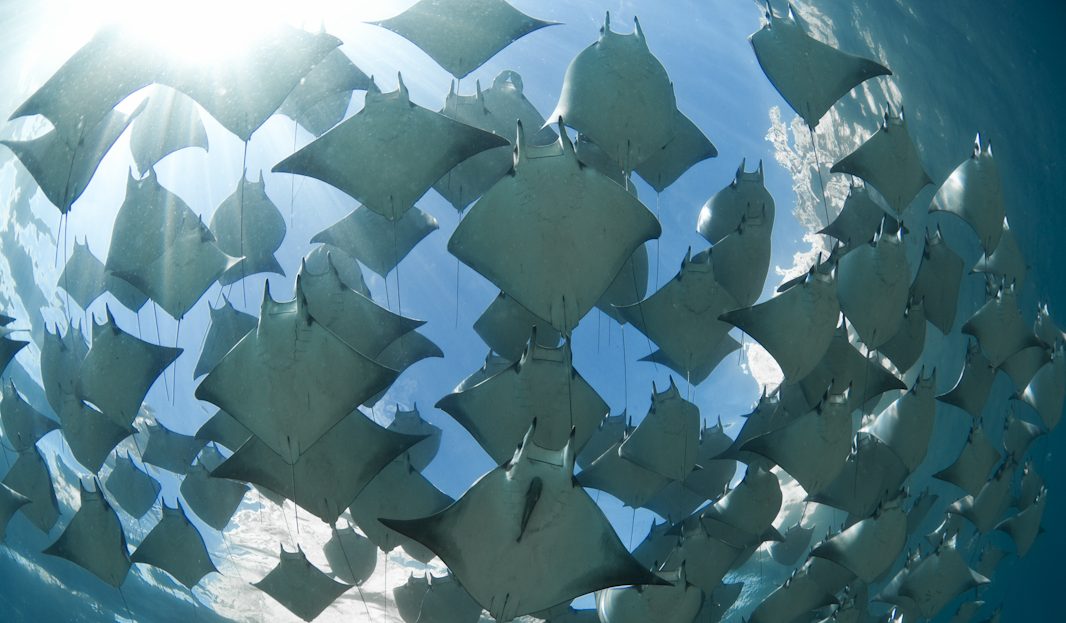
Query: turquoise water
{"type": "Point", "coordinates": [959, 69]}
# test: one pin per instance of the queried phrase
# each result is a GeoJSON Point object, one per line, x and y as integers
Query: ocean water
{"type": "Point", "coordinates": [959, 68]}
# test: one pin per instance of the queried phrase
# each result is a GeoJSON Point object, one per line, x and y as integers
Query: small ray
{"type": "Point", "coordinates": [291, 379]}
{"type": "Point", "coordinates": [248, 225]}
{"type": "Point", "coordinates": [975, 461]}
{"type": "Point", "coordinates": [301, 587]}
{"type": "Point", "coordinates": [666, 439]}
{"type": "Point", "coordinates": [29, 477]}
{"type": "Point", "coordinates": [873, 283]}
{"type": "Point", "coordinates": [90, 434]}
{"type": "Point", "coordinates": [741, 260]}
{"type": "Point", "coordinates": [1000, 328]}
{"type": "Point", "coordinates": [222, 429]}
{"type": "Point", "coordinates": [432, 599]}
{"type": "Point", "coordinates": [1023, 365]}
{"type": "Point", "coordinates": [228, 326]}
{"type": "Point", "coordinates": [61, 357]}
{"type": "Point", "coordinates": [872, 474]}
{"type": "Point", "coordinates": [744, 198]}
{"type": "Point", "coordinates": [360, 156]}
{"type": "Point", "coordinates": [119, 369]}
{"type": "Point", "coordinates": [677, 602]}
{"type": "Point", "coordinates": [986, 508]}
{"type": "Point", "coordinates": [684, 317]}
{"type": "Point", "coordinates": [411, 423]}
{"type": "Point", "coordinates": [94, 540]}
{"type": "Point", "coordinates": [859, 220]}
{"type": "Point", "coordinates": [619, 95]}
{"type": "Point", "coordinates": [541, 387]}
{"type": "Point", "coordinates": [688, 146]}
{"type": "Point", "coordinates": [494, 543]}
{"type": "Point", "coordinates": [1046, 392]}
{"type": "Point", "coordinates": [906, 425]}
{"type": "Point", "coordinates": [843, 366]}
{"type": "Point", "coordinates": [869, 547]}
{"type": "Point", "coordinates": [904, 349]}
{"type": "Point", "coordinates": [889, 162]}
{"type": "Point", "coordinates": [85, 278]}
{"type": "Point", "coordinates": [610, 430]}
{"type": "Point", "coordinates": [749, 508]}
{"type": "Point", "coordinates": [345, 265]}
{"type": "Point", "coordinates": [320, 99]}
{"type": "Point", "coordinates": [176, 546]}
{"type": "Point", "coordinates": [23, 425]}
{"type": "Point", "coordinates": [797, 541]}
{"type": "Point", "coordinates": [1045, 328]}
{"type": "Point", "coordinates": [460, 35]}
{"type": "Point", "coordinates": [10, 503]}
{"type": "Point", "coordinates": [707, 559]}
{"type": "Point", "coordinates": [974, 385]}
{"type": "Point", "coordinates": [1024, 527]}
{"type": "Point", "coordinates": [553, 217]}
{"type": "Point", "coordinates": [716, 473]}
{"type": "Point", "coordinates": [169, 450]}
{"type": "Point", "coordinates": [810, 75]}
{"type": "Point", "coordinates": [796, 326]}
{"type": "Point", "coordinates": [622, 478]}
{"type": "Point", "coordinates": [974, 193]}
{"type": "Point", "coordinates": [380, 244]}
{"type": "Point", "coordinates": [351, 556]}
{"type": "Point", "coordinates": [132, 489]}
{"type": "Point", "coordinates": [169, 122]}
{"type": "Point", "coordinates": [726, 346]}
{"type": "Point", "coordinates": [937, 282]}
{"type": "Point", "coordinates": [938, 578]}
{"type": "Point", "coordinates": [1006, 262]}
{"type": "Point", "coordinates": [214, 500]}
{"type": "Point", "coordinates": [327, 476]}
{"type": "Point", "coordinates": [630, 285]}
{"type": "Point", "coordinates": [505, 326]}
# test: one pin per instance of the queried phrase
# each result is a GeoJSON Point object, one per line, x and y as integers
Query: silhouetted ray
{"type": "Point", "coordinates": [744, 198]}
{"type": "Point", "coordinates": [162, 248]}
{"type": "Point", "coordinates": [715, 474]}
{"type": "Point", "coordinates": [94, 540]}
{"type": "Point", "coordinates": [29, 477]}
{"type": "Point", "coordinates": [411, 423]}
{"type": "Point", "coordinates": [873, 283]}
{"type": "Point", "coordinates": [797, 541]}
{"type": "Point", "coordinates": [622, 478]}
{"type": "Point", "coordinates": [677, 602]}
{"type": "Point", "coordinates": [23, 425]}
{"type": "Point", "coordinates": [351, 556]}
{"type": "Point", "coordinates": [938, 578]}
{"type": "Point", "coordinates": [986, 508]}
{"type": "Point", "coordinates": [688, 146]}
{"type": "Point", "coordinates": [1024, 527]}
{"type": "Point", "coordinates": [843, 366]}
{"type": "Point", "coordinates": [85, 279]}
{"type": "Point", "coordinates": [747, 510]}
{"type": "Point", "coordinates": [345, 265]}
{"type": "Point", "coordinates": [10, 503]}
{"type": "Point", "coordinates": [999, 327]}
{"type": "Point", "coordinates": [810, 75]}
{"type": "Point", "coordinates": [320, 99]}
{"type": "Point", "coordinates": [611, 429]}
{"type": "Point", "coordinates": [553, 217]}
{"type": "Point", "coordinates": [541, 387]}
{"type": "Point", "coordinates": [506, 327]}
{"type": "Point", "coordinates": [378, 243]}
{"type": "Point", "coordinates": [430, 599]}
{"type": "Point", "coordinates": [889, 162]}
{"type": "Point", "coordinates": [248, 225]}
{"type": "Point", "coordinates": [90, 434]}
{"type": "Point", "coordinates": [494, 110]}
{"type": "Point", "coordinates": [904, 349]}
{"type": "Point", "coordinates": [133, 489]}
{"type": "Point", "coordinates": [328, 475]}
{"type": "Point", "coordinates": [301, 587]}
{"type": "Point", "coordinates": [1018, 435]}
{"type": "Point", "coordinates": [707, 559]}
{"type": "Point", "coordinates": [1022, 366]}
{"type": "Point", "coordinates": [975, 460]}
{"type": "Point", "coordinates": [169, 450]}
{"type": "Point", "coordinates": [869, 547]}
{"type": "Point", "coordinates": [796, 326]}
{"type": "Point", "coordinates": [906, 425]}
{"type": "Point", "coordinates": [1046, 392]}
{"type": "Point", "coordinates": [119, 369]}
{"type": "Point", "coordinates": [630, 285]}
{"type": "Point", "coordinates": [168, 123]}
{"type": "Point", "coordinates": [975, 382]}
{"type": "Point", "coordinates": [973, 192]}
{"type": "Point", "coordinates": [937, 282]}
{"type": "Point", "coordinates": [618, 94]}
{"type": "Point", "coordinates": [859, 220]}
{"type": "Point", "coordinates": [1006, 262]}
{"type": "Point", "coordinates": [176, 546]}
{"type": "Point", "coordinates": [666, 439]}
{"type": "Point", "coordinates": [460, 35]}
{"type": "Point", "coordinates": [292, 379]}
{"type": "Point", "coordinates": [403, 353]}
{"type": "Point", "coordinates": [674, 501]}
{"type": "Point", "coordinates": [398, 491]}
{"type": "Point", "coordinates": [361, 155]}
{"type": "Point", "coordinates": [222, 429]}
{"type": "Point", "coordinates": [683, 317]}
{"type": "Point", "coordinates": [228, 326]}
{"type": "Point", "coordinates": [494, 537]}
{"type": "Point", "coordinates": [214, 500]}
{"type": "Point", "coordinates": [741, 260]}
{"type": "Point", "coordinates": [8, 349]}
{"type": "Point", "coordinates": [800, 594]}
{"type": "Point", "coordinates": [872, 474]}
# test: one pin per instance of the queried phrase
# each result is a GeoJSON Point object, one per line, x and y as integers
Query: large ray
{"type": "Point", "coordinates": [869, 547]}
{"type": "Point", "coordinates": [410, 422]}
{"type": "Point", "coordinates": [1024, 527]}
{"type": "Point", "coordinates": [176, 546]}
{"type": "Point", "coordinates": [872, 474]}
{"type": "Point", "coordinates": [904, 349]}
{"type": "Point", "coordinates": [248, 225]}
{"type": "Point", "coordinates": [843, 366]}
{"type": "Point", "coordinates": [986, 508]}
{"type": "Point", "coordinates": [10, 503]}
{"type": "Point", "coordinates": [618, 94]}
{"type": "Point", "coordinates": [938, 578]}
{"type": "Point", "coordinates": [493, 110]}
{"type": "Point", "coordinates": [495, 536]}
{"type": "Point", "coordinates": [678, 602]}
{"type": "Point", "coordinates": [94, 540]}
{"type": "Point", "coordinates": [795, 327]}
{"type": "Point", "coordinates": [889, 162]}
{"type": "Point", "coordinates": [327, 476]}
{"type": "Point", "coordinates": [973, 464]}
{"type": "Point", "coordinates": [683, 317]}
{"type": "Point", "coordinates": [810, 75]}
{"type": "Point", "coordinates": [320, 100]}
{"type": "Point", "coordinates": [937, 283]}
{"type": "Point", "coordinates": [301, 587]}
{"type": "Point", "coordinates": [630, 285]}
{"type": "Point", "coordinates": [63, 169]}
{"type": "Point", "coordinates": [132, 489]}
{"type": "Point", "coordinates": [162, 248]}
{"type": "Point", "coordinates": [744, 198]}
{"type": "Point", "coordinates": [541, 387]}
{"type": "Point", "coordinates": [351, 556]}
{"type": "Point", "coordinates": [688, 146]}
{"type": "Point", "coordinates": [85, 278]}
{"type": "Point", "coordinates": [29, 476]}
{"type": "Point", "coordinates": [859, 220]}
{"type": "Point", "coordinates": [398, 491]}
{"type": "Point", "coordinates": [974, 193]}
{"type": "Point", "coordinates": [797, 541]}
{"type": "Point", "coordinates": [168, 123]}
{"type": "Point", "coordinates": [291, 379]}
{"type": "Point", "coordinates": [228, 326]}
{"type": "Point", "coordinates": [90, 434]}
{"type": "Point", "coordinates": [1046, 392]}
{"type": "Point", "coordinates": [666, 439]}
{"type": "Point", "coordinates": [553, 217]}
{"type": "Point", "coordinates": [119, 370]}
{"type": "Point", "coordinates": [1000, 328]}
{"type": "Point", "coordinates": [214, 500]}
{"type": "Point", "coordinates": [368, 156]}
{"type": "Point", "coordinates": [634, 485]}
{"type": "Point", "coordinates": [505, 327]}
{"type": "Point", "coordinates": [168, 450]}
{"type": "Point", "coordinates": [23, 425]}
{"type": "Point", "coordinates": [971, 391]}
{"type": "Point", "coordinates": [460, 35]}
{"type": "Point", "coordinates": [873, 283]}
{"type": "Point", "coordinates": [906, 425]}
{"type": "Point", "coordinates": [378, 243]}
{"type": "Point", "coordinates": [432, 599]}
